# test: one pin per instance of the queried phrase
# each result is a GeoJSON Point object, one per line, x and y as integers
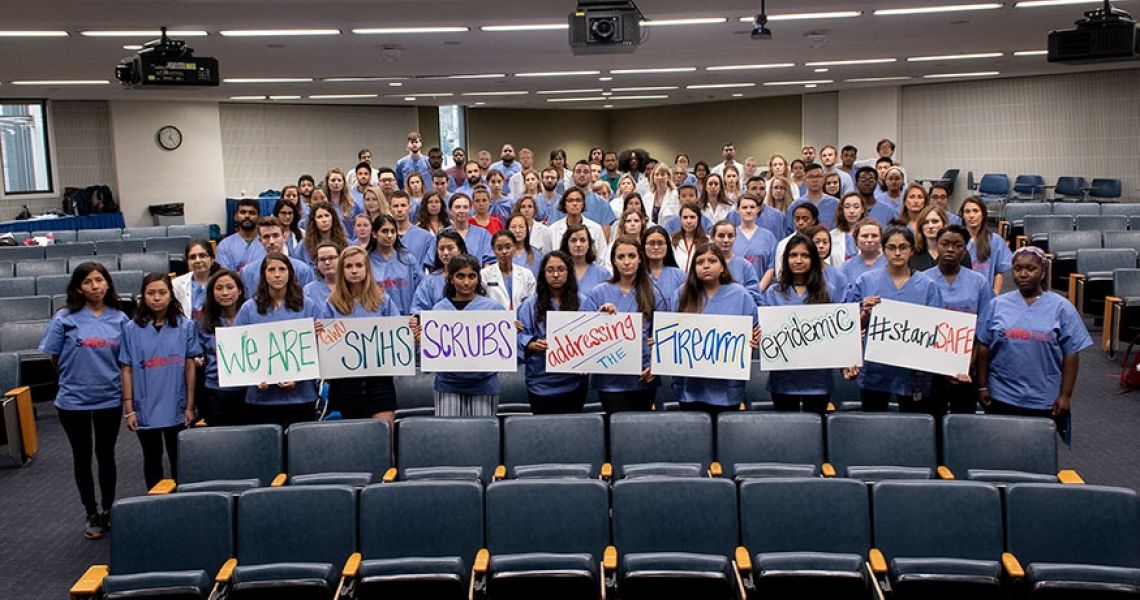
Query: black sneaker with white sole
{"type": "Point", "coordinates": [93, 530]}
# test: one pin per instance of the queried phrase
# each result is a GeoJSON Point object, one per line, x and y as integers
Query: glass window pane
{"type": "Point", "coordinates": [452, 133]}
{"type": "Point", "coordinates": [24, 149]}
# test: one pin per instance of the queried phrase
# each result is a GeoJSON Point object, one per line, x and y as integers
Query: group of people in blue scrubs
{"type": "Point", "coordinates": [728, 253]}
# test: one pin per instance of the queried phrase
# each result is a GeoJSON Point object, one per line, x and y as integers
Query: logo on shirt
{"type": "Point", "coordinates": [1017, 333]}
{"type": "Point", "coordinates": [96, 342]}
{"type": "Point", "coordinates": [393, 283]}
{"type": "Point", "coordinates": [158, 362]}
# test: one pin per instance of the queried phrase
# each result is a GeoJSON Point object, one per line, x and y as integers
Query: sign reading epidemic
{"type": "Point", "coordinates": [809, 336]}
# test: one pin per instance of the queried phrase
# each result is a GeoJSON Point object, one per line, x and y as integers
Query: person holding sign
{"type": "Point", "coordinates": [709, 290]}
{"type": "Point", "coordinates": [580, 246]}
{"type": "Point", "coordinates": [989, 253]}
{"type": "Point", "coordinates": [724, 236]}
{"type": "Point", "coordinates": [661, 266]}
{"type": "Point", "coordinates": [358, 295]}
{"type": "Point", "coordinates": [278, 297]}
{"type": "Point", "coordinates": [505, 284]}
{"type": "Point", "coordinates": [83, 341]}
{"type": "Point", "coordinates": [963, 290]}
{"type": "Point", "coordinates": [878, 382]}
{"type": "Point", "coordinates": [224, 295]}
{"type": "Point", "coordinates": [801, 282]}
{"type": "Point", "coordinates": [550, 393]}
{"type": "Point", "coordinates": [630, 290]}
{"type": "Point", "coordinates": [157, 358]}
{"type": "Point", "coordinates": [318, 290]}
{"type": "Point", "coordinates": [392, 265]}
{"type": "Point", "coordinates": [466, 394]}
{"type": "Point", "coordinates": [1029, 344]}
{"type": "Point", "coordinates": [448, 245]}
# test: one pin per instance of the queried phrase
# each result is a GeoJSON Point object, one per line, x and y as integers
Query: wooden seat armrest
{"type": "Point", "coordinates": [828, 470]}
{"type": "Point", "coordinates": [1020, 241]}
{"type": "Point", "coordinates": [226, 573]}
{"type": "Point", "coordinates": [279, 480]}
{"type": "Point", "coordinates": [743, 559]}
{"type": "Point", "coordinates": [482, 561]}
{"type": "Point", "coordinates": [607, 471]}
{"type": "Point", "coordinates": [1070, 477]}
{"type": "Point", "coordinates": [1012, 566]}
{"type": "Point", "coordinates": [878, 562]}
{"type": "Point", "coordinates": [1073, 279]}
{"type": "Point", "coordinates": [715, 470]}
{"type": "Point", "coordinates": [500, 473]}
{"type": "Point", "coordinates": [831, 407]}
{"type": "Point", "coordinates": [352, 565]}
{"type": "Point", "coordinates": [944, 472]}
{"type": "Point", "coordinates": [389, 475]}
{"type": "Point", "coordinates": [164, 486]}
{"type": "Point", "coordinates": [89, 584]}
{"type": "Point", "coordinates": [610, 559]}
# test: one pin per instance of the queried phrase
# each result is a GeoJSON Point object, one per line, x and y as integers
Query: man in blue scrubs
{"type": "Point", "coordinates": [414, 161]}
{"type": "Point", "coordinates": [241, 248]}
{"type": "Point", "coordinates": [272, 237]}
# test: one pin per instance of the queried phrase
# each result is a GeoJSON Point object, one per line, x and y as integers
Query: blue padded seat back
{"type": "Point", "coordinates": [937, 519]}
{"type": "Point", "coordinates": [756, 437]}
{"type": "Point", "coordinates": [448, 442]}
{"type": "Point", "coordinates": [675, 515]}
{"type": "Point", "coordinates": [305, 524]}
{"type": "Point", "coordinates": [805, 515]}
{"type": "Point", "coordinates": [556, 515]}
{"type": "Point", "coordinates": [421, 519]}
{"type": "Point", "coordinates": [239, 452]}
{"type": "Point", "coordinates": [1081, 524]}
{"type": "Point", "coordinates": [867, 439]}
{"type": "Point", "coordinates": [660, 437]}
{"type": "Point", "coordinates": [173, 532]}
{"type": "Point", "coordinates": [349, 446]}
{"type": "Point", "coordinates": [997, 442]}
{"type": "Point", "coordinates": [554, 439]}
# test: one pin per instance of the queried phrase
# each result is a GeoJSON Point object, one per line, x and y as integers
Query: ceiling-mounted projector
{"type": "Point", "coordinates": [166, 62]}
{"type": "Point", "coordinates": [605, 27]}
{"type": "Point", "coordinates": [1105, 34]}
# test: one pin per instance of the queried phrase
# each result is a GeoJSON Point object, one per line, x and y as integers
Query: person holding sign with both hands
{"type": "Point", "coordinates": [550, 393]}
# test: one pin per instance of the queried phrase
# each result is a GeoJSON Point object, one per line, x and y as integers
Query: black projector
{"type": "Point", "coordinates": [1104, 35]}
{"type": "Point", "coordinates": [605, 27]}
{"type": "Point", "coordinates": [167, 63]}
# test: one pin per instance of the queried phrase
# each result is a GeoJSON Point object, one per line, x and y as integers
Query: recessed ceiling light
{"type": "Point", "coordinates": [402, 30]}
{"type": "Point", "coordinates": [476, 76]}
{"type": "Point", "coordinates": [556, 73]}
{"type": "Point", "coordinates": [607, 93]}
{"type": "Point", "coordinates": [342, 96]}
{"type": "Point", "coordinates": [527, 27]}
{"type": "Point", "coordinates": [480, 103]}
{"type": "Point", "coordinates": [268, 80]}
{"type": "Point", "coordinates": [738, 95]}
{"type": "Point", "coordinates": [811, 85]}
{"type": "Point", "coordinates": [581, 91]}
{"type": "Point", "coordinates": [821, 70]}
{"type": "Point", "coordinates": [673, 22]}
{"type": "Point", "coordinates": [577, 99]}
{"type": "Point", "coordinates": [1039, 3]}
{"type": "Point", "coordinates": [133, 47]}
{"type": "Point", "coordinates": [653, 70]}
{"type": "Point", "coordinates": [949, 75]}
{"type": "Point", "coordinates": [247, 97]}
{"type": "Point", "coordinates": [803, 82]}
{"type": "Point", "coordinates": [605, 79]}
{"type": "Point", "coordinates": [650, 97]}
{"type": "Point", "coordinates": [840, 14]}
{"type": "Point", "coordinates": [1031, 53]}
{"type": "Point", "coordinates": [410, 98]}
{"type": "Point", "coordinates": [395, 84]}
{"type": "Point", "coordinates": [142, 33]}
{"type": "Point", "coordinates": [855, 61]}
{"type": "Point", "coordinates": [284, 97]}
{"type": "Point", "coordinates": [923, 10]}
{"type": "Point", "coordinates": [496, 93]}
{"type": "Point", "coordinates": [358, 79]}
{"type": "Point", "coordinates": [33, 34]}
{"type": "Point", "coordinates": [750, 67]}
{"type": "Point", "coordinates": [275, 32]}
{"type": "Point", "coordinates": [607, 106]}
{"type": "Point", "coordinates": [646, 88]}
{"type": "Point", "coordinates": [873, 79]}
{"type": "Point", "coordinates": [715, 86]}
{"type": "Point", "coordinates": [954, 57]}
{"type": "Point", "coordinates": [62, 82]}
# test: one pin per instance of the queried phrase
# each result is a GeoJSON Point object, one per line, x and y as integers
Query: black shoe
{"type": "Point", "coordinates": [105, 520]}
{"type": "Point", "coordinates": [93, 529]}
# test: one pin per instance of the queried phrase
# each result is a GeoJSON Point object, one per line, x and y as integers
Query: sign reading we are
{"type": "Point", "coordinates": [593, 342]}
{"type": "Point", "coordinates": [809, 336]}
{"type": "Point", "coordinates": [468, 341]}
{"type": "Point", "coordinates": [267, 352]}
{"type": "Point", "coordinates": [920, 337]}
{"type": "Point", "coordinates": [696, 345]}
{"type": "Point", "coordinates": [366, 347]}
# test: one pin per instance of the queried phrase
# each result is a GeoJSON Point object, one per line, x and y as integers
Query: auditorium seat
{"type": "Point", "coordinates": [227, 459]}
{"type": "Point", "coordinates": [164, 547]}
{"type": "Point", "coordinates": [993, 190]}
{"type": "Point", "coordinates": [18, 253]}
{"type": "Point", "coordinates": [196, 231]}
{"type": "Point", "coordinates": [805, 538]}
{"type": "Point", "coordinates": [875, 446]}
{"type": "Point", "coordinates": [414, 396]}
{"type": "Point", "coordinates": [58, 302]}
{"type": "Point", "coordinates": [1028, 188]}
{"type": "Point", "coordinates": [11, 287]}
{"type": "Point", "coordinates": [554, 446]}
{"type": "Point", "coordinates": [1001, 449]}
{"type": "Point", "coordinates": [109, 261]}
{"type": "Point", "coordinates": [1128, 209]}
{"type": "Point", "coordinates": [25, 308]}
{"type": "Point", "coordinates": [1102, 223]}
{"type": "Point", "coordinates": [64, 236]}
{"type": "Point", "coordinates": [174, 246]}
{"type": "Point", "coordinates": [1122, 239]}
{"type": "Point", "coordinates": [353, 452]}
{"type": "Point", "coordinates": [95, 235]}
{"type": "Point", "coordinates": [674, 537]}
{"type": "Point", "coordinates": [1070, 189]}
{"type": "Point", "coordinates": [1077, 209]}
{"type": "Point", "coordinates": [1073, 541]}
{"type": "Point", "coordinates": [1038, 227]}
{"type": "Point", "coordinates": [448, 448]}
{"type": "Point", "coordinates": [1092, 281]}
{"type": "Point", "coordinates": [419, 539]}
{"type": "Point", "coordinates": [7, 268]}
{"type": "Point", "coordinates": [128, 284]}
{"type": "Point", "coordinates": [69, 250]}
{"type": "Point", "coordinates": [938, 539]}
{"type": "Point", "coordinates": [1063, 246]}
{"type": "Point", "coordinates": [513, 399]}
{"type": "Point", "coordinates": [292, 542]}
{"type": "Point", "coordinates": [546, 539]}
{"type": "Point", "coordinates": [118, 246]}
{"type": "Point", "coordinates": [1013, 218]}
{"type": "Point", "coordinates": [47, 266]}
{"type": "Point", "coordinates": [22, 337]}
{"type": "Point", "coordinates": [647, 444]}
{"type": "Point", "coordinates": [1120, 322]}
{"type": "Point", "coordinates": [149, 262]}
{"type": "Point", "coordinates": [1105, 190]}
{"type": "Point", "coordinates": [756, 445]}
{"type": "Point", "coordinates": [50, 285]}
{"type": "Point", "coordinates": [142, 233]}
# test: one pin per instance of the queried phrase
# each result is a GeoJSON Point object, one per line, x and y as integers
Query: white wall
{"type": "Point", "coordinates": [820, 122]}
{"type": "Point", "coordinates": [193, 174]}
{"type": "Point", "coordinates": [868, 115]}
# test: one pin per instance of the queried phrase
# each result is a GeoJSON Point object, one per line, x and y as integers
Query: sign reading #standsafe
{"type": "Point", "coordinates": [919, 337]}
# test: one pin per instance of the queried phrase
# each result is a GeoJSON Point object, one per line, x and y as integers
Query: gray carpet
{"type": "Point", "coordinates": [41, 521]}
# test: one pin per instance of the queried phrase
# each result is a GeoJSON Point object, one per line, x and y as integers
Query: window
{"type": "Point", "coordinates": [452, 132]}
{"type": "Point", "coordinates": [24, 156]}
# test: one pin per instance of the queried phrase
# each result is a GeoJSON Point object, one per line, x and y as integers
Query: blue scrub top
{"type": "Point", "coordinates": [318, 291]}
{"type": "Point", "coordinates": [1028, 344]}
{"type": "Point", "coordinates": [399, 274]}
{"type": "Point", "coordinates": [472, 384]}
{"type": "Point", "coordinates": [759, 250]}
{"type": "Point", "coordinates": [234, 253]}
{"type": "Point", "coordinates": [1000, 261]}
{"type": "Point", "coordinates": [593, 276]}
{"type": "Point", "coordinates": [807, 381]}
{"type": "Point", "coordinates": [919, 289]}
{"type": "Point", "coordinates": [882, 211]}
{"type": "Point", "coordinates": [669, 283]}
{"type": "Point", "coordinates": [251, 274]}
{"type": "Point", "coordinates": [209, 343]}
{"type": "Point", "coordinates": [597, 210]}
{"type": "Point", "coordinates": [839, 283]}
{"type": "Point", "coordinates": [502, 208]}
{"type": "Point", "coordinates": [855, 268]}
{"type": "Point", "coordinates": [730, 299]}
{"type": "Point", "coordinates": [744, 273]}
{"type": "Point", "coordinates": [157, 358]}
{"type": "Point", "coordinates": [197, 298]}
{"type": "Point", "coordinates": [304, 391]}
{"type": "Point", "coordinates": [673, 225]}
{"type": "Point", "coordinates": [88, 351]}
{"type": "Point", "coordinates": [420, 243]}
{"type": "Point", "coordinates": [538, 381]}
{"type": "Point", "coordinates": [969, 293]}
{"type": "Point", "coordinates": [428, 293]}
{"type": "Point", "coordinates": [827, 206]}
{"type": "Point", "coordinates": [774, 221]}
{"type": "Point", "coordinates": [406, 165]}
{"type": "Point", "coordinates": [387, 309]}
{"type": "Point", "coordinates": [478, 243]}
{"type": "Point", "coordinates": [536, 262]}
{"type": "Point", "coordinates": [610, 293]}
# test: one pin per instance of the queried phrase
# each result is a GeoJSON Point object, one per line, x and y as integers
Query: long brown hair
{"type": "Point", "coordinates": [982, 237]}
{"type": "Point", "coordinates": [294, 296]}
{"type": "Point", "coordinates": [920, 237]}
{"type": "Point", "coordinates": [211, 316]}
{"type": "Point", "coordinates": [370, 295]}
{"type": "Point", "coordinates": [313, 236]}
{"type": "Point", "coordinates": [904, 212]}
{"type": "Point", "coordinates": [693, 294]}
{"type": "Point", "coordinates": [699, 234]}
{"type": "Point", "coordinates": [643, 287]}
{"type": "Point", "coordinates": [344, 203]}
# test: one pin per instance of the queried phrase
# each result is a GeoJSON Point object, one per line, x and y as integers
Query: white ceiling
{"type": "Point", "coordinates": [414, 57]}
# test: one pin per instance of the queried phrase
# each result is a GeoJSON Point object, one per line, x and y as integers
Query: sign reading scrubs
{"type": "Point", "coordinates": [593, 342]}
{"type": "Point", "coordinates": [468, 341]}
{"type": "Point", "coordinates": [706, 346]}
{"type": "Point", "coordinates": [366, 347]}
{"type": "Point", "coordinates": [809, 336]}
{"type": "Point", "coordinates": [922, 338]}
{"type": "Point", "coordinates": [269, 353]}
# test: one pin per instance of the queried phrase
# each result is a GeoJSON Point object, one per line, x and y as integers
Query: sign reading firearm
{"type": "Point", "coordinates": [468, 341]}
{"type": "Point", "coordinates": [919, 337]}
{"type": "Point", "coordinates": [366, 347]}
{"type": "Point", "coordinates": [591, 342]}
{"type": "Point", "coordinates": [708, 346]}
{"type": "Point", "coordinates": [269, 352]}
{"type": "Point", "coordinates": [809, 336]}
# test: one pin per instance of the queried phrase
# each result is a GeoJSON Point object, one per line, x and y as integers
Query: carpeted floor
{"type": "Point", "coordinates": [42, 549]}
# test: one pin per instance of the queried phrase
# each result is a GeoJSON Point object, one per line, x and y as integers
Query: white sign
{"type": "Point", "coordinates": [708, 346]}
{"type": "Point", "coordinates": [593, 342]}
{"type": "Point", "coordinates": [268, 352]}
{"type": "Point", "coordinates": [919, 337]}
{"type": "Point", "coordinates": [809, 336]}
{"type": "Point", "coordinates": [466, 341]}
{"type": "Point", "coordinates": [366, 347]}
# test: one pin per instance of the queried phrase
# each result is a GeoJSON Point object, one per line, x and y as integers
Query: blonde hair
{"type": "Point", "coordinates": [370, 295]}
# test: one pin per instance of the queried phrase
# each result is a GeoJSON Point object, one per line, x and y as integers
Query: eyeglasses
{"type": "Point", "coordinates": [892, 248]}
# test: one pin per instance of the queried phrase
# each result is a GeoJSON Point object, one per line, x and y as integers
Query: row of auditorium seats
{"type": "Point", "coordinates": [995, 188]}
{"type": "Point", "coordinates": [127, 283]}
{"type": "Point", "coordinates": [174, 246]}
{"type": "Point", "coordinates": [1013, 216]}
{"type": "Point", "coordinates": [655, 538]}
{"type": "Point", "coordinates": [199, 231]}
{"type": "Point", "coordinates": [864, 446]}
{"type": "Point", "coordinates": [149, 262]}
